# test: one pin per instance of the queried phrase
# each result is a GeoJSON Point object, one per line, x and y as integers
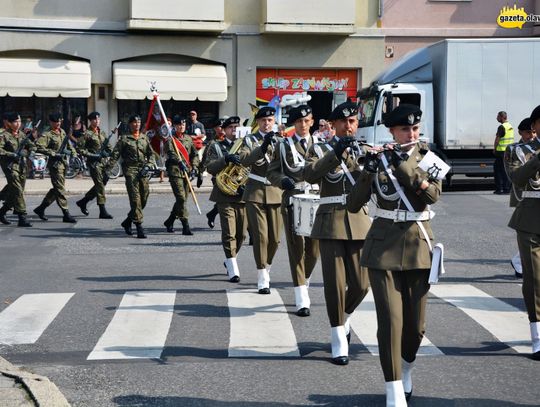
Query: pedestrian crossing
{"type": "Point", "coordinates": [260, 325]}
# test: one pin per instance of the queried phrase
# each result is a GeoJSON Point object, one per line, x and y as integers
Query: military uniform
{"type": "Point", "coordinates": [137, 154]}
{"type": "Point", "coordinates": [524, 171]}
{"type": "Point", "coordinates": [90, 146]}
{"type": "Point", "coordinates": [287, 167]}
{"type": "Point", "coordinates": [50, 144]}
{"type": "Point", "coordinates": [232, 210]}
{"type": "Point", "coordinates": [397, 253]}
{"type": "Point", "coordinates": [3, 192]}
{"type": "Point", "coordinates": [263, 201]}
{"type": "Point", "coordinates": [177, 178]}
{"type": "Point", "coordinates": [341, 234]}
{"type": "Point", "coordinates": [14, 149]}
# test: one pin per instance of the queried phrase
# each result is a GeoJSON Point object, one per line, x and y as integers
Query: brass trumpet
{"type": "Point", "coordinates": [232, 177]}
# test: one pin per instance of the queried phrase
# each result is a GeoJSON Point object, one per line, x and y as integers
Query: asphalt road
{"type": "Point", "coordinates": [96, 263]}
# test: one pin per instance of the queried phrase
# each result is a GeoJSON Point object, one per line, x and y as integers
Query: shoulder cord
{"type": "Point", "coordinates": [298, 160]}
{"type": "Point", "coordinates": [344, 168]}
{"type": "Point", "coordinates": [404, 199]}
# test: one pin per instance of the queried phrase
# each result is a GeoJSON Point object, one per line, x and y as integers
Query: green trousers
{"type": "Point", "coordinates": [138, 189]}
{"type": "Point", "coordinates": [529, 251]}
{"type": "Point", "coordinates": [233, 227]}
{"type": "Point", "coordinates": [264, 222]}
{"type": "Point", "coordinates": [180, 190]}
{"type": "Point", "coordinates": [57, 192]}
{"type": "Point", "coordinates": [14, 190]}
{"type": "Point", "coordinates": [100, 178]}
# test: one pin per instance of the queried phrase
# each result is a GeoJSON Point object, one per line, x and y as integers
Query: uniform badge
{"type": "Point", "coordinates": [410, 118]}
{"type": "Point", "coordinates": [384, 188]}
{"type": "Point", "coordinates": [303, 112]}
{"type": "Point", "coordinates": [346, 112]}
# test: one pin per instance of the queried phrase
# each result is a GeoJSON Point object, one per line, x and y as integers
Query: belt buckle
{"type": "Point", "coordinates": [401, 215]}
{"type": "Point", "coordinates": [344, 199]}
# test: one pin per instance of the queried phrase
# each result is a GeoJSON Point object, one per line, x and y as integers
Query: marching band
{"type": "Point", "coordinates": [318, 190]}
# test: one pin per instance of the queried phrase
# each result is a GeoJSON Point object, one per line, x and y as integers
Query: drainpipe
{"type": "Point", "coordinates": [380, 13]}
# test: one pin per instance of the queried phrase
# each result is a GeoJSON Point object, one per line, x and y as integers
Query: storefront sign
{"type": "Point", "coordinates": [323, 84]}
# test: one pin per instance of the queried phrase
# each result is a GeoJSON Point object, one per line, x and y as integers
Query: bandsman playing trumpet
{"type": "Point", "coordinates": [341, 233]}
{"type": "Point", "coordinates": [231, 208]}
{"type": "Point", "coordinates": [177, 169]}
{"type": "Point", "coordinates": [524, 171]}
{"type": "Point", "coordinates": [397, 252]}
{"type": "Point", "coordinates": [262, 199]}
{"type": "Point", "coordinates": [287, 172]}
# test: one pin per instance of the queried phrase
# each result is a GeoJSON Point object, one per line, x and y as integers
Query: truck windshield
{"type": "Point", "coordinates": [366, 111]}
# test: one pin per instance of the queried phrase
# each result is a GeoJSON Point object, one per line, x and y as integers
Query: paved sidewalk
{"type": "Point", "coordinates": [79, 186]}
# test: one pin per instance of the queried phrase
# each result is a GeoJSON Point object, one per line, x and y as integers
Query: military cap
{"type": "Point", "coordinates": [265, 111]}
{"type": "Point", "coordinates": [93, 115]}
{"type": "Point", "coordinates": [12, 116]}
{"type": "Point", "coordinates": [403, 115]}
{"type": "Point", "coordinates": [230, 120]}
{"type": "Point", "coordinates": [535, 115]}
{"type": "Point", "coordinates": [525, 124]}
{"type": "Point", "coordinates": [55, 117]}
{"type": "Point", "coordinates": [344, 111]}
{"type": "Point", "coordinates": [177, 119]}
{"type": "Point", "coordinates": [134, 117]}
{"type": "Point", "coordinates": [298, 113]}
{"type": "Point", "coordinates": [219, 122]}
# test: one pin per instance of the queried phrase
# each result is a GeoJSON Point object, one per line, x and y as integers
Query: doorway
{"type": "Point", "coordinates": [321, 104]}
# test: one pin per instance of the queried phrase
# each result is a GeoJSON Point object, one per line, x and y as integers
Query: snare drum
{"type": "Point", "coordinates": [304, 211]}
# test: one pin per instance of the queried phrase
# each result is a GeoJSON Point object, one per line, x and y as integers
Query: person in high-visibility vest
{"type": "Point", "coordinates": [503, 138]}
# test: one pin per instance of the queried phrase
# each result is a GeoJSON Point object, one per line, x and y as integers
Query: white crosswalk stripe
{"type": "Point", "coordinates": [505, 322]}
{"type": "Point", "coordinates": [139, 327]}
{"type": "Point", "coordinates": [364, 325]}
{"type": "Point", "coordinates": [260, 325]}
{"type": "Point", "coordinates": [25, 320]}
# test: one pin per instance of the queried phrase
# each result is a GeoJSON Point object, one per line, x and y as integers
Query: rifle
{"type": "Point", "coordinates": [106, 142]}
{"type": "Point", "coordinates": [61, 150]}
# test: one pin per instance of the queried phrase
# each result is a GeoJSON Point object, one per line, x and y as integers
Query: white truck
{"type": "Point", "coordinates": [460, 86]}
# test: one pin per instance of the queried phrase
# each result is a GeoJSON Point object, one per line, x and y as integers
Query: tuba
{"type": "Point", "coordinates": [233, 176]}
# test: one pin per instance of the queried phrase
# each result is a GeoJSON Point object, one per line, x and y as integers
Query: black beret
{"type": "Point", "coordinates": [298, 113]}
{"type": "Point", "coordinates": [231, 120]}
{"type": "Point", "coordinates": [134, 117]}
{"type": "Point", "coordinates": [219, 122]}
{"type": "Point", "coordinates": [177, 119]}
{"type": "Point", "coordinates": [55, 117]}
{"type": "Point", "coordinates": [265, 111]}
{"type": "Point", "coordinates": [93, 115]}
{"type": "Point", "coordinates": [525, 124]}
{"type": "Point", "coordinates": [11, 116]}
{"type": "Point", "coordinates": [403, 115]}
{"type": "Point", "coordinates": [535, 115]}
{"type": "Point", "coordinates": [343, 111]}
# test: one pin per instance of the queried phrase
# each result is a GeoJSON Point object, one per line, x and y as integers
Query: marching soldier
{"type": "Point", "coordinates": [287, 171]}
{"type": "Point", "coordinates": [3, 192]}
{"type": "Point", "coordinates": [341, 233]}
{"type": "Point", "coordinates": [137, 160]}
{"type": "Point", "coordinates": [177, 170]}
{"type": "Point", "coordinates": [397, 252]}
{"type": "Point", "coordinates": [14, 149]}
{"type": "Point", "coordinates": [232, 211]}
{"type": "Point", "coordinates": [92, 146]}
{"type": "Point", "coordinates": [262, 199]}
{"type": "Point", "coordinates": [524, 171]}
{"type": "Point", "coordinates": [55, 144]}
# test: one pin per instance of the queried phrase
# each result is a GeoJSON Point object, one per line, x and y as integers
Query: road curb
{"type": "Point", "coordinates": [42, 391]}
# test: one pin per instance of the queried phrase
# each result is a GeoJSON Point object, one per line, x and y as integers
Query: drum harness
{"type": "Point", "coordinates": [258, 163]}
{"type": "Point", "coordinates": [534, 184]}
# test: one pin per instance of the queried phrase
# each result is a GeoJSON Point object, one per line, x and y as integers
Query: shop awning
{"type": "Point", "coordinates": [177, 81]}
{"type": "Point", "coordinates": [44, 77]}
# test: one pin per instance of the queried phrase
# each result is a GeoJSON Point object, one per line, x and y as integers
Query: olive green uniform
{"type": "Point", "coordinates": [303, 251]}
{"type": "Point", "coordinates": [177, 178]}
{"type": "Point", "coordinates": [524, 171]}
{"type": "Point", "coordinates": [263, 201]}
{"type": "Point", "coordinates": [88, 146]}
{"type": "Point", "coordinates": [135, 154]}
{"type": "Point", "coordinates": [341, 233]}
{"type": "Point", "coordinates": [398, 258]}
{"type": "Point", "coordinates": [232, 209]}
{"type": "Point", "coordinates": [49, 144]}
{"type": "Point", "coordinates": [14, 168]}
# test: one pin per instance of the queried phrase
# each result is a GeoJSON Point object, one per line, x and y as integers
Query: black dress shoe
{"type": "Point", "coordinates": [498, 192]}
{"type": "Point", "coordinates": [211, 220]}
{"type": "Point", "coordinates": [408, 395]}
{"type": "Point", "coordinates": [341, 360]}
{"type": "Point", "coordinates": [82, 205]}
{"type": "Point", "coordinates": [234, 279]}
{"type": "Point", "coordinates": [264, 291]}
{"type": "Point", "coordinates": [536, 355]}
{"type": "Point", "coordinates": [303, 312]}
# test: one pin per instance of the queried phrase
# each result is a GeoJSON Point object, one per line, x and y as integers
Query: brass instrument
{"type": "Point", "coordinates": [233, 176]}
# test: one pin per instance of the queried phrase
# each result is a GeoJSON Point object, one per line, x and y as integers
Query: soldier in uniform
{"type": "Point", "coordinates": [91, 145]}
{"type": "Point", "coordinates": [137, 160]}
{"type": "Point", "coordinates": [524, 171]}
{"type": "Point", "coordinates": [527, 134]}
{"type": "Point", "coordinates": [262, 199]}
{"type": "Point", "coordinates": [287, 172]}
{"type": "Point", "coordinates": [397, 252]}
{"type": "Point", "coordinates": [341, 233]}
{"type": "Point", "coordinates": [55, 144]}
{"type": "Point", "coordinates": [177, 169]}
{"type": "Point", "coordinates": [14, 149]}
{"type": "Point", "coordinates": [3, 192]}
{"type": "Point", "coordinates": [232, 211]}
